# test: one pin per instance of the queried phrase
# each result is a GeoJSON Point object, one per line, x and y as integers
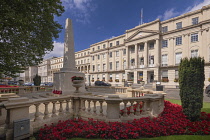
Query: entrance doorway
{"type": "Point", "coordinates": [150, 77]}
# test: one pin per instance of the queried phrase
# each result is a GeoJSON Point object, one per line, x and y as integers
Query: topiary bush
{"type": "Point", "coordinates": [191, 83]}
{"type": "Point", "coordinates": [37, 80]}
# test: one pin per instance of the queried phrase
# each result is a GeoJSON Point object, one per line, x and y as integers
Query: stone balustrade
{"type": "Point", "coordinates": [105, 108]}
{"type": "Point", "coordinates": [24, 89]}
{"type": "Point", "coordinates": [109, 89]}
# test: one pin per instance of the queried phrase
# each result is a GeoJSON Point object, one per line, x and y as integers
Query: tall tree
{"type": "Point", "coordinates": [191, 82]}
{"type": "Point", "coordinates": [27, 31]}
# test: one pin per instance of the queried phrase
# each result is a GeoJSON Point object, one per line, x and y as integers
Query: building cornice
{"type": "Point", "coordinates": [107, 40]}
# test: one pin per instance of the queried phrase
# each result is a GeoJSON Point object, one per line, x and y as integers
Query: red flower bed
{"type": "Point", "coordinates": [171, 122]}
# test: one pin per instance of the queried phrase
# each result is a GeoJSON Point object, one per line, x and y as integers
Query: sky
{"type": "Point", "coordinates": [98, 20]}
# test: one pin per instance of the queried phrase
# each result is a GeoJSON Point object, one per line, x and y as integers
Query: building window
{"type": "Point", "coordinates": [117, 77]}
{"type": "Point", "coordinates": [164, 29]}
{"type": "Point", "coordinates": [117, 65]}
{"type": "Point", "coordinates": [179, 25]}
{"type": "Point", "coordinates": [104, 56]}
{"type": "Point", "coordinates": [194, 20]}
{"type": "Point", "coordinates": [132, 49]}
{"type": "Point", "coordinates": [194, 37]}
{"type": "Point", "coordinates": [93, 57]}
{"type": "Point", "coordinates": [151, 45]}
{"type": "Point", "coordinates": [164, 43]}
{"type": "Point", "coordinates": [110, 54]}
{"type": "Point", "coordinates": [98, 67]}
{"type": "Point", "coordinates": [151, 61]}
{"type": "Point", "coordinates": [110, 65]}
{"type": "Point", "coordinates": [124, 51]}
{"type": "Point", "coordinates": [141, 47]}
{"type": "Point", "coordinates": [78, 62]}
{"type": "Point", "coordinates": [165, 76]}
{"type": "Point", "coordinates": [104, 67]}
{"type": "Point", "coordinates": [124, 64]}
{"type": "Point", "coordinates": [99, 56]}
{"type": "Point", "coordinates": [117, 53]}
{"type": "Point", "coordinates": [110, 76]}
{"type": "Point", "coordinates": [117, 43]}
{"type": "Point", "coordinates": [104, 46]}
{"type": "Point", "coordinates": [85, 53]}
{"type": "Point", "coordinates": [176, 74]}
{"type": "Point", "coordinates": [88, 60]}
{"type": "Point", "coordinates": [110, 45]}
{"type": "Point", "coordinates": [133, 62]}
{"type": "Point", "coordinates": [81, 61]}
{"type": "Point", "coordinates": [98, 47]}
{"type": "Point", "coordinates": [93, 50]}
{"type": "Point", "coordinates": [142, 60]}
{"type": "Point", "coordinates": [178, 58]}
{"type": "Point", "coordinates": [194, 53]}
{"type": "Point", "coordinates": [164, 60]}
{"type": "Point", "coordinates": [93, 68]}
{"type": "Point", "coordinates": [179, 40]}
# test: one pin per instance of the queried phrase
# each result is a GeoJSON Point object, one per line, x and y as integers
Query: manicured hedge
{"type": "Point", "coordinates": [191, 83]}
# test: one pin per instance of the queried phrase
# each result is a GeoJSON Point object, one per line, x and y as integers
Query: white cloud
{"type": "Point", "coordinates": [57, 51]}
{"type": "Point", "coordinates": [81, 9]}
{"type": "Point", "coordinates": [197, 6]}
{"type": "Point", "coordinates": [170, 13]}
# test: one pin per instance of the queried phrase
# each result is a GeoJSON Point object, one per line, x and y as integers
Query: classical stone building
{"type": "Point", "coordinates": [151, 51]}
{"type": "Point", "coordinates": [148, 52]}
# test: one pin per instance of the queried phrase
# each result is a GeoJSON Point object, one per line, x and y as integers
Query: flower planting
{"type": "Point", "coordinates": [171, 121]}
{"type": "Point", "coordinates": [77, 78]}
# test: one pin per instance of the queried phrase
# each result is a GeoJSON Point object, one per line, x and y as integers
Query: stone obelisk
{"type": "Point", "coordinates": [62, 79]}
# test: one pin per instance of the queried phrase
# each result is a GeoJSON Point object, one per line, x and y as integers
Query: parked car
{"type": "Point", "coordinates": [28, 84]}
{"type": "Point", "coordinates": [101, 83]}
{"type": "Point", "coordinates": [49, 84]}
{"type": "Point", "coordinates": [207, 90]}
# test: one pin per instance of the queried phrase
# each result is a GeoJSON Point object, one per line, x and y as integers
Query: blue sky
{"type": "Point", "coordinates": [98, 20]}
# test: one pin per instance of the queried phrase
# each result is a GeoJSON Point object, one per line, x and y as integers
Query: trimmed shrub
{"type": "Point", "coordinates": [191, 83]}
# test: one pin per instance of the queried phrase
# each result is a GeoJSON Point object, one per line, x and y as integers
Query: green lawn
{"type": "Point", "coordinates": [206, 105]}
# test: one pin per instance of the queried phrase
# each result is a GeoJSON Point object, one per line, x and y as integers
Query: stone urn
{"type": "Point", "coordinates": [77, 84]}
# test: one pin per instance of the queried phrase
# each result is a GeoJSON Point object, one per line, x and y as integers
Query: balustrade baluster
{"type": "Point", "coordinates": [83, 107]}
{"type": "Point", "coordinates": [89, 109]}
{"type": "Point", "coordinates": [67, 106]}
{"type": "Point", "coordinates": [133, 93]}
{"type": "Point", "coordinates": [46, 112]}
{"type": "Point", "coordinates": [138, 108]}
{"type": "Point", "coordinates": [37, 118]}
{"type": "Point", "coordinates": [54, 109]}
{"type": "Point", "coordinates": [131, 109]}
{"type": "Point", "coordinates": [61, 107]}
{"type": "Point", "coordinates": [101, 108]}
{"type": "Point", "coordinates": [94, 108]}
{"type": "Point", "coordinates": [125, 114]}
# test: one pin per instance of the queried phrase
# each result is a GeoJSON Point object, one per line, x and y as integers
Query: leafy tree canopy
{"type": "Point", "coordinates": [27, 30]}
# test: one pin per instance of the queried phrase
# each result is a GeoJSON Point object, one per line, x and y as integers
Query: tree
{"type": "Point", "coordinates": [191, 82]}
{"type": "Point", "coordinates": [27, 30]}
{"type": "Point", "coordinates": [37, 80]}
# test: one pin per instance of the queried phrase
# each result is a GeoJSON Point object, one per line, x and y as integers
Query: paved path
{"type": "Point", "coordinates": [174, 94]}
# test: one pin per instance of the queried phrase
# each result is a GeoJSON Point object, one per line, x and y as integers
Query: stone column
{"type": "Point", "coordinates": [136, 56]}
{"type": "Point", "coordinates": [157, 53]}
{"type": "Point", "coordinates": [145, 54]}
{"type": "Point", "coordinates": [127, 57]}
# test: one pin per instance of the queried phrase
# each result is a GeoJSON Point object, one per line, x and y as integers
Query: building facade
{"type": "Point", "coordinates": [148, 52]}
{"type": "Point", "coordinates": [152, 51]}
